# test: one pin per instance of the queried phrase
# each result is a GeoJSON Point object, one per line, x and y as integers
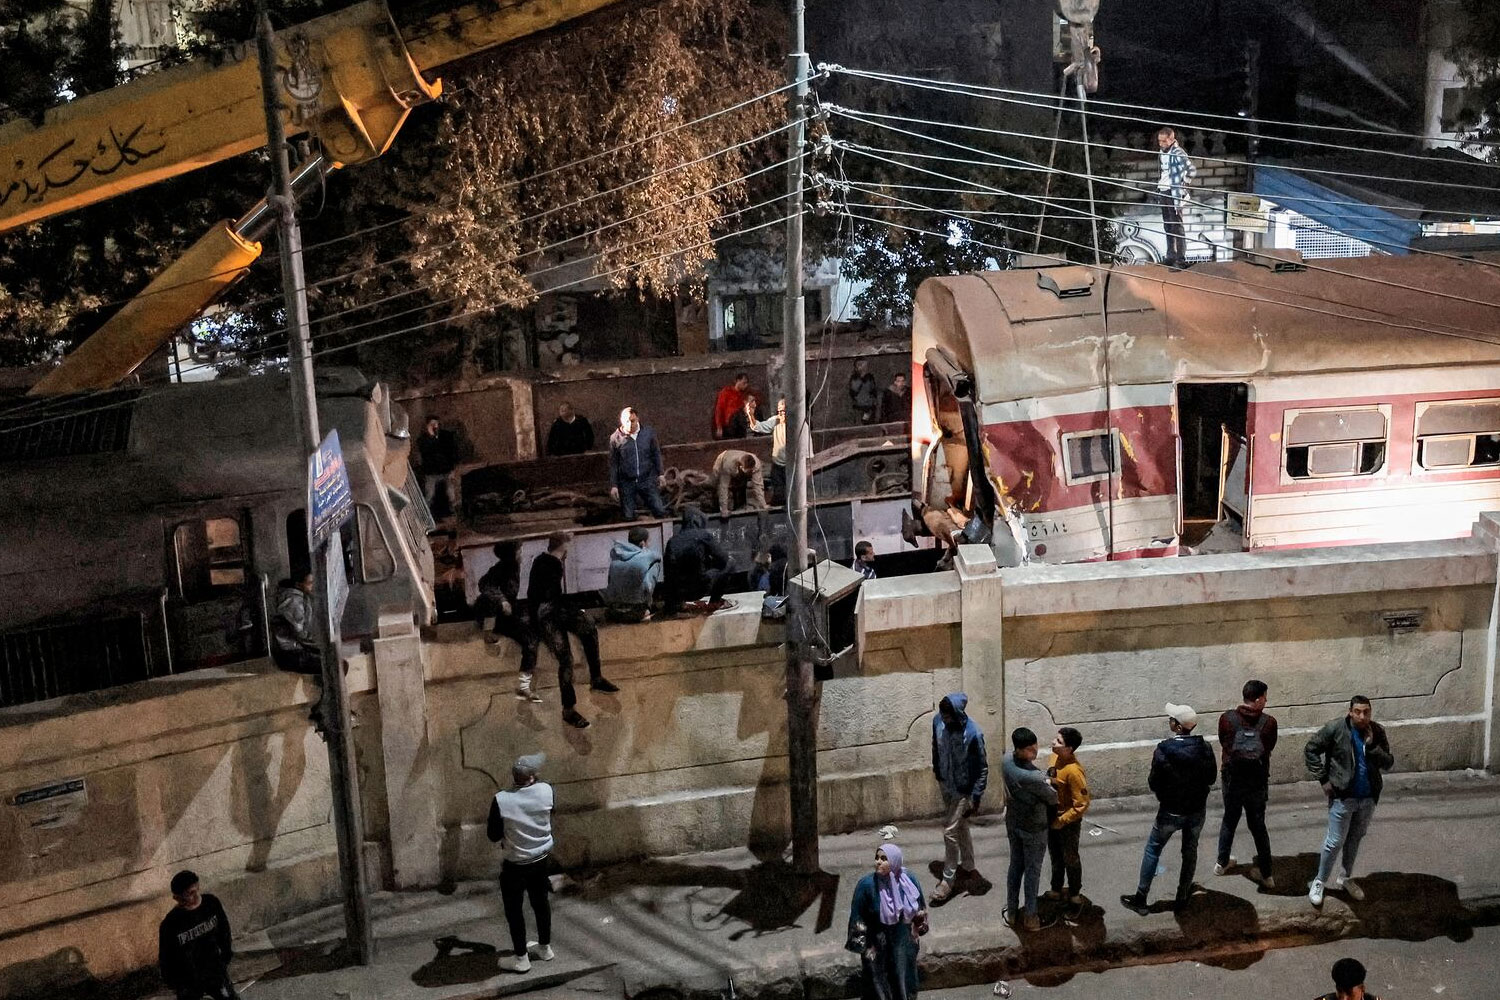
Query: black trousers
{"type": "Point", "coordinates": [220, 988]}
{"type": "Point", "coordinates": [556, 628]}
{"type": "Point", "coordinates": [778, 484]}
{"type": "Point", "coordinates": [1248, 796]}
{"type": "Point", "coordinates": [513, 627]}
{"type": "Point", "coordinates": [517, 884]}
{"type": "Point", "coordinates": [711, 582]}
{"type": "Point", "coordinates": [1171, 223]}
{"type": "Point", "coordinates": [1062, 848]}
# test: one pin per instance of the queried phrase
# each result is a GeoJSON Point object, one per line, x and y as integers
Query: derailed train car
{"type": "Point", "coordinates": [146, 529]}
{"type": "Point", "coordinates": [1272, 404]}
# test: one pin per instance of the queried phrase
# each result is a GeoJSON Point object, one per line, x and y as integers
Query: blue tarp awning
{"type": "Point", "coordinates": [1340, 211]}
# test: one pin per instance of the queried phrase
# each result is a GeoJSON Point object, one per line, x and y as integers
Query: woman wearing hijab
{"type": "Point", "coordinates": [885, 921]}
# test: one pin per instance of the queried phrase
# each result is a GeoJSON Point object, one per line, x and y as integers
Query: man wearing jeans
{"type": "Point", "coordinates": [1346, 757]}
{"type": "Point", "coordinates": [1182, 772]}
{"type": "Point", "coordinates": [962, 771]}
{"type": "Point", "coordinates": [1026, 821]}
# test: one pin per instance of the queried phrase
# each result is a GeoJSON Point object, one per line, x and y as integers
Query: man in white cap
{"type": "Point", "coordinates": [522, 817]}
{"type": "Point", "coordinates": [1182, 772]}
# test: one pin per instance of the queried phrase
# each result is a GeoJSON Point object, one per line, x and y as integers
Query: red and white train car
{"type": "Point", "coordinates": [1358, 401]}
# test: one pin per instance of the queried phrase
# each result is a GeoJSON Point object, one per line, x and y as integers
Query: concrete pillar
{"type": "Point", "coordinates": [981, 627]}
{"type": "Point", "coordinates": [1487, 530]}
{"type": "Point", "coordinates": [410, 788]}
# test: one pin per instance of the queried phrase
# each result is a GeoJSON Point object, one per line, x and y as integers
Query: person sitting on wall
{"type": "Point", "coordinates": [731, 400]}
{"type": "Point", "coordinates": [634, 574]}
{"type": "Point", "coordinates": [635, 466]}
{"type": "Point", "coordinates": [745, 419]}
{"type": "Point", "coordinates": [740, 481]}
{"type": "Point", "coordinates": [696, 564]}
{"type": "Point", "coordinates": [294, 648]}
{"type": "Point", "coordinates": [497, 596]}
{"type": "Point", "coordinates": [194, 944]}
{"type": "Point", "coordinates": [864, 560]}
{"type": "Point", "coordinates": [571, 433]}
{"type": "Point", "coordinates": [555, 618]}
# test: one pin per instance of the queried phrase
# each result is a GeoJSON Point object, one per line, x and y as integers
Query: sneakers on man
{"type": "Point", "coordinates": [540, 952]}
{"type": "Point", "coordinates": [524, 691]}
{"type": "Point", "coordinates": [1225, 867]}
{"type": "Point", "coordinates": [603, 687]}
{"type": "Point", "coordinates": [1315, 892]}
{"type": "Point", "coordinates": [575, 720]}
{"type": "Point", "coordinates": [1136, 902]}
{"type": "Point", "coordinates": [941, 893]}
{"type": "Point", "coordinates": [1349, 887]}
{"type": "Point", "coordinates": [515, 963]}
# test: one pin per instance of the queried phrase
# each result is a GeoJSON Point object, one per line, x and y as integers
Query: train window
{"type": "Point", "coordinates": [1089, 457]}
{"type": "Point", "coordinates": [375, 560]}
{"type": "Point", "coordinates": [1462, 435]}
{"type": "Point", "coordinates": [209, 557]}
{"type": "Point", "coordinates": [1331, 444]}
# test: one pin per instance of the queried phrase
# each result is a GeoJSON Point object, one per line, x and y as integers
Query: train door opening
{"type": "Point", "coordinates": [1213, 465]}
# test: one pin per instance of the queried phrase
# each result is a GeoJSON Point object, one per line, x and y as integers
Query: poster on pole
{"type": "Point", "coordinates": [338, 591]}
{"type": "Point", "coordinates": [330, 501]}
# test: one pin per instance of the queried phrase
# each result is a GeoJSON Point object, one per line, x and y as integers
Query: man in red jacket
{"type": "Point", "coordinates": [731, 401]}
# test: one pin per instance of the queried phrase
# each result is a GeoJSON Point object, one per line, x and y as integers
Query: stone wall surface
{"type": "Point", "coordinates": [217, 770]}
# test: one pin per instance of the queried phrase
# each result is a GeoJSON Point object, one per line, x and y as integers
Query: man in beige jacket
{"type": "Point", "coordinates": [739, 472]}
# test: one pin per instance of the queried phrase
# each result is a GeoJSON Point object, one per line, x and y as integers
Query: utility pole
{"type": "Point", "coordinates": [344, 777]}
{"type": "Point", "coordinates": [801, 691]}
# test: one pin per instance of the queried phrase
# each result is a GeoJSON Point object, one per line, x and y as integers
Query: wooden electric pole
{"type": "Point", "coordinates": [343, 776]}
{"type": "Point", "coordinates": [801, 691]}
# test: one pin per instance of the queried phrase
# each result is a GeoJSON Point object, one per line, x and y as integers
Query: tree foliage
{"type": "Point", "coordinates": [1475, 50]}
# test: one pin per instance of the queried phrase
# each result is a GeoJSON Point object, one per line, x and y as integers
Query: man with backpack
{"type": "Point", "coordinates": [1247, 735]}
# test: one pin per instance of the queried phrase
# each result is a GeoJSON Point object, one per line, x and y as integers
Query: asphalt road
{"type": "Point", "coordinates": [1398, 970]}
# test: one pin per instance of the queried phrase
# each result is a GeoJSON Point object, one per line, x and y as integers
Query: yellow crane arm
{"type": "Point", "coordinates": [349, 77]}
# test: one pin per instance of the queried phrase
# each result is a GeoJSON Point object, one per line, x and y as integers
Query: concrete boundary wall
{"type": "Point", "coordinates": [217, 770]}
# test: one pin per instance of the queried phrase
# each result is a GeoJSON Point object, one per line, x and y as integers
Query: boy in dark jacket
{"type": "Point", "coordinates": [1247, 735]}
{"type": "Point", "coordinates": [497, 596]}
{"type": "Point", "coordinates": [1030, 796]}
{"type": "Point", "coordinates": [193, 943]}
{"type": "Point", "coordinates": [1182, 772]}
{"type": "Point", "coordinates": [554, 618]}
{"type": "Point", "coordinates": [1346, 757]}
{"type": "Point", "coordinates": [962, 771]}
{"type": "Point", "coordinates": [696, 564]}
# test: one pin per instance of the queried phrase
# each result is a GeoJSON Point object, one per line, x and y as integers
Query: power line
{"type": "Point", "coordinates": [982, 91]}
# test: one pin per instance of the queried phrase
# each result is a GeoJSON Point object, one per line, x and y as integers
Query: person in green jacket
{"type": "Point", "coordinates": [1346, 757]}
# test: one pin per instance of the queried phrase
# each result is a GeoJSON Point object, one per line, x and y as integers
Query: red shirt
{"type": "Point", "coordinates": [730, 402]}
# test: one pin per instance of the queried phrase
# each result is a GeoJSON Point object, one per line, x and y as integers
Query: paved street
{"type": "Point", "coordinates": [1439, 967]}
{"type": "Point", "coordinates": [693, 922]}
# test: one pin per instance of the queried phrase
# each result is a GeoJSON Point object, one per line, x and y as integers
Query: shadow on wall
{"type": "Point", "coordinates": [65, 972]}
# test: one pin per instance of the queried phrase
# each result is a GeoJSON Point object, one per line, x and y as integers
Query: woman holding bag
{"type": "Point", "coordinates": [886, 919]}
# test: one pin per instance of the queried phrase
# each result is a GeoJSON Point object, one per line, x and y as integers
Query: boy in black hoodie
{"type": "Point", "coordinates": [695, 564]}
{"type": "Point", "coordinates": [1182, 772]}
{"type": "Point", "coordinates": [193, 944]}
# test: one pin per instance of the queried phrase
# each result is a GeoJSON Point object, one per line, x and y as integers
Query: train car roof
{"type": "Point", "coordinates": [1213, 321]}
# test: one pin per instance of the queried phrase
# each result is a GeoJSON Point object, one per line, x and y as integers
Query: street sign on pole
{"type": "Point", "coordinates": [330, 500]}
{"type": "Point", "coordinates": [338, 591]}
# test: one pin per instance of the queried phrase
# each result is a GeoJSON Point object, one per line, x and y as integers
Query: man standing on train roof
{"type": "Point", "coordinates": [1176, 172]}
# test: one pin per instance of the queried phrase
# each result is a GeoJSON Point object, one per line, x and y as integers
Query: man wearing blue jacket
{"type": "Point", "coordinates": [635, 467]}
{"type": "Point", "coordinates": [962, 771]}
{"type": "Point", "coordinates": [634, 574]}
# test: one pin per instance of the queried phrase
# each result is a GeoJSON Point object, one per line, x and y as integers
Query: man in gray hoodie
{"type": "Point", "coordinates": [962, 771]}
{"type": "Point", "coordinates": [1026, 825]}
{"type": "Point", "coordinates": [634, 573]}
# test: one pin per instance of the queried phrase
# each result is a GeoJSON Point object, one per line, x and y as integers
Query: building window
{"type": "Point", "coordinates": [1089, 456]}
{"type": "Point", "coordinates": [1460, 109]}
{"type": "Point", "coordinates": [755, 320]}
{"type": "Point", "coordinates": [209, 557]}
{"type": "Point", "coordinates": [1459, 435]}
{"type": "Point", "coordinates": [1334, 444]}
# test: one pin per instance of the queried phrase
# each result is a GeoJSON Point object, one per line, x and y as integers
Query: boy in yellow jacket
{"type": "Point", "coordinates": [1072, 787]}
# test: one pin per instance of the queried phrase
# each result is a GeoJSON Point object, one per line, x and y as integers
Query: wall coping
{"type": "Point", "coordinates": [1245, 576]}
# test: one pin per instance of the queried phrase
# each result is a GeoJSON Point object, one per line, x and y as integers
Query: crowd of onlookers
{"type": "Point", "coordinates": [635, 459]}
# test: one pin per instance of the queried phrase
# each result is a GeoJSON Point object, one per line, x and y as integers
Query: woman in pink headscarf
{"type": "Point", "coordinates": [887, 917]}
